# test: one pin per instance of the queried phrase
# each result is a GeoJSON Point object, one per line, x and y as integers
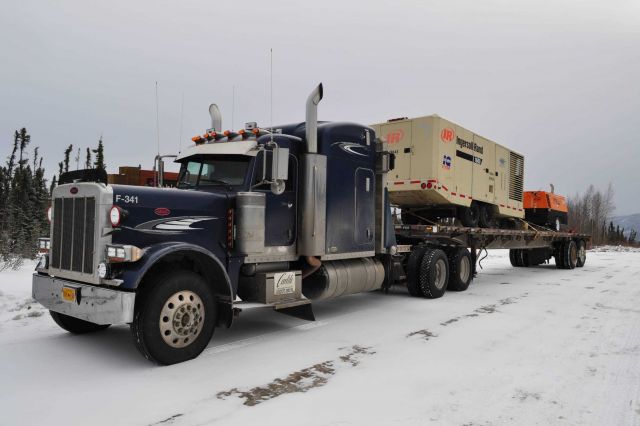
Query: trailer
{"type": "Point", "coordinates": [276, 217]}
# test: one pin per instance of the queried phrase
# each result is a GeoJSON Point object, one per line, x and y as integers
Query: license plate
{"type": "Point", "coordinates": [69, 294]}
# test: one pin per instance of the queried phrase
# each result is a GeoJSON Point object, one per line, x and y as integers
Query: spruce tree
{"type": "Point", "coordinates": [67, 153]}
{"type": "Point", "coordinates": [99, 163]}
{"type": "Point", "coordinates": [87, 162]}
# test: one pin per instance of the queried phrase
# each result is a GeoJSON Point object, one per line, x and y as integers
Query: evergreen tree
{"type": "Point", "coordinates": [23, 202]}
{"type": "Point", "coordinates": [87, 162]}
{"type": "Point", "coordinates": [99, 163]}
{"type": "Point", "coordinates": [67, 153]}
{"type": "Point", "coordinates": [54, 183]}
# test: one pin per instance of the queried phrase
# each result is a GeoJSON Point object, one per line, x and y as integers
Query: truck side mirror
{"type": "Point", "coordinates": [277, 169]}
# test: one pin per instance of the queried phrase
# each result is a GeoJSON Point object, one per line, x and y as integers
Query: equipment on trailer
{"type": "Point", "coordinates": [545, 209]}
{"type": "Point", "coordinates": [444, 170]}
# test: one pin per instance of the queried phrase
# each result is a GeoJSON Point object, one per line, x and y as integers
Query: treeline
{"type": "Point", "coordinates": [24, 199]}
{"type": "Point", "coordinates": [25, 196]}
{"type": "Point", "coordinates": [591, 213]}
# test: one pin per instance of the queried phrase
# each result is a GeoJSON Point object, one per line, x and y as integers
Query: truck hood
{"type": "Point", "coordinates": [154, 215]}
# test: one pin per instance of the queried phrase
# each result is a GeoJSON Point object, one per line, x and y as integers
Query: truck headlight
{"type": "Point", "coordinates": [123, 253]}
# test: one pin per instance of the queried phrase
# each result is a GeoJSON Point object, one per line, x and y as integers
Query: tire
{"type": "Point", "coordinates": [486, 217]}
{"type": "Point", "coordinates": [514, 257]}
{"type": "Point", "coordinates": [433, 274]}
{"type": "Point", "coordinates": [570, 254]}
{"type": "Point", "coordinates": [469, 215]}
{"type": "Point", "coordinates": [76, 325]}
{"type": "Point", "coordinates": [558, 256]}
{"type": "Point", "coordinates": [582, 254]}
{"type": "Point", "coordinates": [413, 271]}
{"type": "Point", "coordinates": [523, 258]}
{"type": "Point", "coordinates": [460, 270]}
{"type": "Point", "coordinates": [175, 318]}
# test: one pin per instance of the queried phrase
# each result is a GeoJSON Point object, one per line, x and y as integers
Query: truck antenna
{"type": "Point", "coordinates": [181, 121]}
{"type": "Point", "coordinates": [233, 106]}
{"type": "Point", "coordinates": [157, 120]}
{"type": "Point", "coordinates": [271, 90]}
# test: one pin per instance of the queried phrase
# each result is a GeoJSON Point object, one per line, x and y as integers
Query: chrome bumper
{"type": "Point", "coordinates": [95, 304]}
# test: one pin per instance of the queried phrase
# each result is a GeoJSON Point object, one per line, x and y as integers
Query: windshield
{"type": "Point", "coordinates": [222, 171]}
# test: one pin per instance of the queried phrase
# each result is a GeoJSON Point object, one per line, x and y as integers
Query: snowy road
{"type": "Point", "coordinates": [522, 345]}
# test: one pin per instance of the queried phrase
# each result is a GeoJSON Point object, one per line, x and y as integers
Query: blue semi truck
{"type": "Point", "coordinates": [264, 217]}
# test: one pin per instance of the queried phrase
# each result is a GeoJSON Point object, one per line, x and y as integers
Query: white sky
{"type": "Point", "coordinates": [558, 81]}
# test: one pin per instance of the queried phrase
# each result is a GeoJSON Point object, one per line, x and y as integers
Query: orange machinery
{"type": "Point", "coordinates": [545, 209]}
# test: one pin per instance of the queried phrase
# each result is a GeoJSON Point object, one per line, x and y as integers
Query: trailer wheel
{"type": "Point", "coordinates": [514, 257]}
{"type": "Point", "coordinates": [523, 258]}
{"type": "Point", "coordinates": [175, 319]}
{"type": "Point", "coordinates": [570, 254]}
{"type": "Point", "coordinates": [76, 325]}
{"type": "Point", "coordinates": [485, 217]}
{"type": "Point", "coordinates": [582, 254]}
{"type": "Point", "coordinates": [434, 274]}
{"type": "Point", "coordinates": [460, 270]}
{"type": "Point", "coordinates": [469, 215]}
{"type": "Point", "coordinates": [413, 271]}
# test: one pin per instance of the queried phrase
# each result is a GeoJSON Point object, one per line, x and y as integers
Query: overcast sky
{"type": "Point", "coordinates": [558, 81]}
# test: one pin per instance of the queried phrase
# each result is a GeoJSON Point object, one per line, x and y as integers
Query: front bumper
{"type": "Point", "coordinates": [94, 304]}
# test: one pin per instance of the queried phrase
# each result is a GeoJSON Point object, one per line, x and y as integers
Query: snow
{"type": "Point", "coordinates": [522, 345]}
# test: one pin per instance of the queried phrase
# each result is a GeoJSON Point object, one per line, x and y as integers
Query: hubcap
{"type": "Point", "coordinates": [441, 274]}
{"type": "Point", "coordinates": [465, 268]}
{"type": "Point", "coordinates": [181, 319]}
{"type": "Point", "coordinates": [582, 253]}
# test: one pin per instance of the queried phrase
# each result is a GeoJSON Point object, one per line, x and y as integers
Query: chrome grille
{"type": "Point", "coordinates": [73, 234]}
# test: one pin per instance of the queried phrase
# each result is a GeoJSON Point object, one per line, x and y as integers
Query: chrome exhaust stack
{"type": "Point", "coordinates": [312, 229]}
{"type": "Point", "coordinates": [311, 119]}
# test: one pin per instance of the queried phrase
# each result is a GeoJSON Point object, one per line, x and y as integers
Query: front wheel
{"type": "Point", "coordinates": [75, 325]}
{"type": "Point", "coordinates": [175, 318]}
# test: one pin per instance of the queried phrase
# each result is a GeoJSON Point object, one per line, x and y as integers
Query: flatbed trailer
{"type": "Point", "coordinates": [527, 247]}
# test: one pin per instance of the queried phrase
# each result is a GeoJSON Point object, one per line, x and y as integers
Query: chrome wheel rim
{"type": "Point", "coordinates": [440, 274]}
{"type": "Point", "coordinates": [465, 269]}
{"type": "Point", "coordinates": [181, 319]}
{"type": "Point", "coordinates": [582, 253]}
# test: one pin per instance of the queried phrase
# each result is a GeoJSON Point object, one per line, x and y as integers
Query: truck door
{"type": "Point", "coordinates": [399, 141]}
{"type": "Point", "coordinates": [280, 216]}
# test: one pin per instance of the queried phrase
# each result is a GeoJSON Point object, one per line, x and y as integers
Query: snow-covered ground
{"type": "Point", "coordinates": [521, 346]}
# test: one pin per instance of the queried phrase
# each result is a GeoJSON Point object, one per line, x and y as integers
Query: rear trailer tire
{"type": "Point", "coordinates": [582, 254]}
{"type": "Point", "coordinates": [469, 215]}
{"type": "Point", "coordinates": [570, 254]}
{"type": "Point", "coordinates": [523, 258]}
{"type": "Point", "coordinates": [514, 257]}
{"type": "Point", "coordinates": [76, 325]}
{"type": "Point", "coordinates": [558, 256]}
{"type": "Point", "coordinates": [175, 318]}
{"type": "Point", "coordinates": [460, 270]}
